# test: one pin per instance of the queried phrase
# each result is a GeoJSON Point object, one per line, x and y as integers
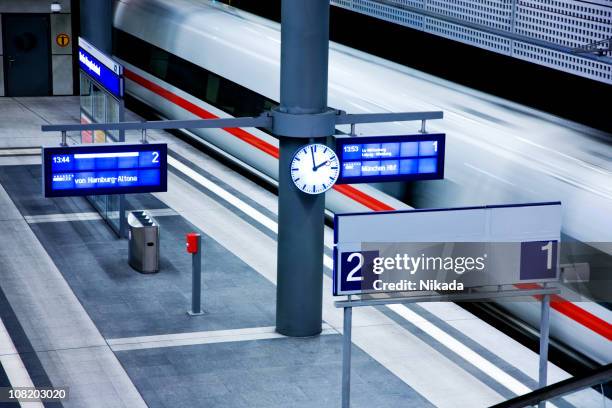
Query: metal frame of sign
{"type": "Point", "coordinates": [48, 152]}
{"type": "Point", "coordinates": [363, 140]}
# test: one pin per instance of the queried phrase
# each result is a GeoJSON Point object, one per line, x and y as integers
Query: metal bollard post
{"type": "Point", "coordinates": [194, 247]}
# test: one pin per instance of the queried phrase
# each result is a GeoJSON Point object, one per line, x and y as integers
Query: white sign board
{"type": "Point", "coordinates": [516, 243]}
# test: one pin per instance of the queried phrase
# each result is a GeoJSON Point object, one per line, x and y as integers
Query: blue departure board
{"type": "Point", "coordinates": [104, 169]}
{"type": "Point", "coordinates": [374, 159]}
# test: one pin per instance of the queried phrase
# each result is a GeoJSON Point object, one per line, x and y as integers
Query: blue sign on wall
{"type": "Point", "coordinates": [390, 158]}
{"type": "Point", "coordinates": [104, 169]}
{"type": "Point", "coordinates": [101, 68]}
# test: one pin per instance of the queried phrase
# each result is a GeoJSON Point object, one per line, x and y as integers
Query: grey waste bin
{"type": "Point", "coordinates": [143, 237]}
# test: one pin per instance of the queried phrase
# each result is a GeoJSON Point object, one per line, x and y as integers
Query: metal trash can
{"type": "Point", "coordinates": [143, 237]}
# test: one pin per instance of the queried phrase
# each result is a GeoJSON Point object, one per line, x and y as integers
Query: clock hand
{"type": "Point", "coordinates": [314, 166]}
{"type": "Point", "coordinates": [326, 162]}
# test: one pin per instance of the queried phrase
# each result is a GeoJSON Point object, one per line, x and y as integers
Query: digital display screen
{"type": "Point", "coordinates": [390, 158]}
{"type": "Point", "coordinates": [104, 169]}
{"type": "Point", "coordinates": [99, 72]}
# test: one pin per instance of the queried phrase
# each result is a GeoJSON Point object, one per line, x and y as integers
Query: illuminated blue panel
{"type": "Point", "coordinates": [428, 165]}
{"type": "Point", "coordinates": [409, 166]}
{"type": "Point", "coordinates": [391, 158]}
{"type": "Point", "coordinates": [104, 169]}
{"type": "Point", "coordinates": [428, 148]}
{"type": "Point", "coordinates": [409, 149]}
{"type": "Point", "coordinates": [99, 72]}
{"type": "Point", "coordinates": [389, 167]}
{"type": "Point", "coordinates": [351, 169]}
{"type": "Point", "coordinates": [370, 168]}
{"type": "Point", "coordinates": [351, 152]}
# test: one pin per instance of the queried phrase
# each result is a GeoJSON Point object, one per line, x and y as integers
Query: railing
{"type": "Point", "coordinates": [598, 379]}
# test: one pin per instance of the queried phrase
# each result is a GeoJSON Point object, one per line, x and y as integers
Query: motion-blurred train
{"type": "Point", "coordinates": [200, 59]}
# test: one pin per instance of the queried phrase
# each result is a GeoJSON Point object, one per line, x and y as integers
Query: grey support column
{"type": "Point", "coordinates": [304, 62]}
{"type": "Point", "coordinates": [97, 23]}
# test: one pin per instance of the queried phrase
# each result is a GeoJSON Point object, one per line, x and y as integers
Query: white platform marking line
{"type": "Point", "coordinates": [450, 342]}
{"type": "Point", "coordinates": [460, 349]}
{"type": "Point", "coordinates": [20, 152]}
{"type": "Point", "coordinates": [82, 216]}
{"type": "Point", "coordinates": [13, 366]}
{"type": "Point", "coordinates": [233, 200]}
{"type": "Point", "coordinates": [87, 216]}
{"type": "Point", "coordinates": [203, 337]}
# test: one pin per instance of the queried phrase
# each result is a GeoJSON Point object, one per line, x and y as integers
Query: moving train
{"type": "Point", "coordinates": [200, 59]}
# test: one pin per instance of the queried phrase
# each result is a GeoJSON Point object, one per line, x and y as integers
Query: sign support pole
{"type": "Point", "coordinates": [346, 357]}
{"type": "Point", "coordinates": [349, 304]}
{"type": "Point", "coordinates": [544, 334]}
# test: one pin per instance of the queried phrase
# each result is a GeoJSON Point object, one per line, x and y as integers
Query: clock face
{"type": "Point", "coordinates": [315, 168]}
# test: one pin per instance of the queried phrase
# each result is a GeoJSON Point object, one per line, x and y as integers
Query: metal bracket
{"type": "Point", "coordinates": [344, 118]}
{"type": "Point", "coordinates": [304, 125]}
{"type": "Point", "coordinates": [281, 123]}
{"type": "Point", "coordinates": [423, 126]}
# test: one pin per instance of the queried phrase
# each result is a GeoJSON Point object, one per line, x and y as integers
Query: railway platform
{"type": "Point", "coordinates": [75, 314]}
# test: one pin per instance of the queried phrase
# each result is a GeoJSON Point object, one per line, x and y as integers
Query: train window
{"type": "Point", "coordinates": [130, 49]}
{"type": "Point", "coordinates": [229, 97]}
{"type": "Point", "coordinates": [212, 90]}
{"type": "Point", "coordinates": [159, 63]}
{"type": "Point", "coordinates": [222, 93]}
{"type": "Point", "coordinates": [269, 105]}
{"type": "Point", "coordinates": [185, 76]}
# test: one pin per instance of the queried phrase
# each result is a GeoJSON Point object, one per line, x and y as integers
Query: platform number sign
{"type": "Point", "coordinates": [539, 260]}
{"type": "Point", "coordinates": [354, 266]}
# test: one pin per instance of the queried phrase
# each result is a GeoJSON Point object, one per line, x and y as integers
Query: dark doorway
{"type": "Point", "coordinates": [27, 54]}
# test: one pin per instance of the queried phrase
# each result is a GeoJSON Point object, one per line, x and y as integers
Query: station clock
{"type": "Point", "coordinates": [315, 168]}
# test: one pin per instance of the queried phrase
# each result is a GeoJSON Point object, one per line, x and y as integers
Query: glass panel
{"type": "Point", "coordinates": [86, 99]}
{"type": "Point", "coordinates": [98, 107]}
{"type": "Point", "coordinates": [99, 104]}
{"type": "Point", "coordinates": [112, 115]}
{"type": "Point", "coordinates": [113, 207]}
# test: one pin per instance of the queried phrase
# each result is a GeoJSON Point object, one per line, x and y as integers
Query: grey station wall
{"type": "Point", "coordinates": [61, 57]}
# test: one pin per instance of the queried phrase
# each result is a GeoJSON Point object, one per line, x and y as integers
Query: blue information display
{"type": "Point", "coordinates": [390, 158]}
{"type": "Point", "coordinates": [101, 68]}
{"type": "Point", "coordinates": [104, 169]}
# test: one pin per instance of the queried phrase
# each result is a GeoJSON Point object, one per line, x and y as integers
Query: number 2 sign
{"type": "Point", "coordinates": [353, 267]}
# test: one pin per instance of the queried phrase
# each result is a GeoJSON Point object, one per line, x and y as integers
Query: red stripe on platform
{"type": "Point", "coordinates": [561, 305]}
